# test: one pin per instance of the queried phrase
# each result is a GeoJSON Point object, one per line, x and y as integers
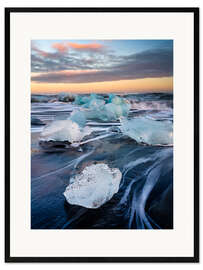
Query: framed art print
{"type": "Point", "coordinates": [102, 134]}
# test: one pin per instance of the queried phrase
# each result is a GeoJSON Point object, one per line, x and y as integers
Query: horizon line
{"type": "Point", "coordinates": [116, 92]}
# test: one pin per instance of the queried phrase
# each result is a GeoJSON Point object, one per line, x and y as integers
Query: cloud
{"type": "Point", "coordinates": [63, 47]}
{"type": "Point", "coordinates": [63, 76]}
{"type": "Point", "coordinates": [35, 51]}
{"type": "Point", "coordinates": [86, 47]}
{"type": "Point", "coordinates": [148, 64]}
{"type": "Point", "coordinates": [68, 56]}
{"type": "Point", "coordinates": [38, 51]}
{"type": "Point", "coordinates": [60, 47]}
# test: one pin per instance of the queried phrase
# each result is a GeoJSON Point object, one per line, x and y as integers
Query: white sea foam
{"type": "Point", "coordinates": [150, 105]}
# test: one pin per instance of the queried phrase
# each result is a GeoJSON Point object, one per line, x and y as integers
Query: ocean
{"type": "Point", "coordinates": [139, 143]}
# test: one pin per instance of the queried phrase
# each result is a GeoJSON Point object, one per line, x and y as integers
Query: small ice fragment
{"type": "Point", "coordinates": [75, 145]}
{"type": "Point", "coordinates": [40, 98]}
{"type": "Point", "coordinates": [36, 121]}
{"type": "Point", "coordinates": [66, 97]}
{"type": "Point", "coordinates": [94, 186]}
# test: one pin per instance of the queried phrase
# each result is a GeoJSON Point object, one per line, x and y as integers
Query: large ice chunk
{"type": "Point", "coordinates": [113, 110]}
{"type": "Point", "coordinates": [78, 117]}
{"type": "Point", "coordinates": [109, 112]}
{"type": "Point", "coordinates": [80, 100]}
{"type": "Point", "coordinates": [148, 131]}
{"type": "Point", "coordinates": [89, 101]}
{"type": "Point", "coordinates": [64, 130]}
{"type": "Point", "coordinates": [94, 186]}
{"type": "Point", "coordinates": [97, 108]}
{"type": "Point", "coordinates": [94, 101]}
{"type": "Point", "coordinates": [115, 99]}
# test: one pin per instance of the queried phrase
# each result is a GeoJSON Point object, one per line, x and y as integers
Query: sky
{"type": "Point", "coordinates": [84, 66]}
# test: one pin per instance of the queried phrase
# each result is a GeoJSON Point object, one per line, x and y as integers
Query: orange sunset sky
{"type": "Point", "coordinates": [84, 66]}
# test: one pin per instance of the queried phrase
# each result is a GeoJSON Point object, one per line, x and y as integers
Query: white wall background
{"type": "Point", "coordinates": [80, 3]}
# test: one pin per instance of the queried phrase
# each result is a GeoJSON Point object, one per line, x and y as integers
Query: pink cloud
{"type": "Point", "coordinates": [60, 47]}
{"type": "Point", "coordinates": [76, 72]}
{"type": "Point", "coordinates": [86, 47]}
{"type": "Point", "coordinates": [40, 52]}
{"type": "Point", "coordinates": [43, 53]}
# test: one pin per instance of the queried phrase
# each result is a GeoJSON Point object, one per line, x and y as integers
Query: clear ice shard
{"type": "Point", "coordinates": [94, 186]}
{"type": "Point", "coordinates": [144, 130]}
{"type": "Point", "coordinates": [64, 130]}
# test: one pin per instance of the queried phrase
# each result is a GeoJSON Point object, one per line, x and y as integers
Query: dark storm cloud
{"type": "Point", "coordinates": [109, 67]}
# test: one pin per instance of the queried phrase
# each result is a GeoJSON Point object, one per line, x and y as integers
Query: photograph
{"type": "Point", "coordinates": [101, 134]}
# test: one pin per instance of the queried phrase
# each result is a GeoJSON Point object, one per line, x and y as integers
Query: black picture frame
{"type": "Point", "coordinates": [8, 257]}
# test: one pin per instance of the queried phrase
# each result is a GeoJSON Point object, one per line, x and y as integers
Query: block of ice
{"type": "Point", "coordinates": [148, 131]}
{"type": "Point", "coordinates": [80, 100]}
{"type": "Point", "coordinates": [94, 186]}
{"type": "Point", "coordinates": [108, 112]}
{"type": "Point", "coordinates": [89, 101]}
{"type": "Point", "coordinates": [99, 113]}
{"type": "Point", "coordinates": [66, 97]}
{"type": "Point", "coordinates": [78, 117]}
{"type": "Point", "coordinates": [64, 130]}
{"type": "Point", "coordinates": [94, 102]}
{"type": "Point", "coordinates": [117, 100]}
{"type": "Point", "coordinates": [111, 96]}
{"type": "Point", "coordinates": [99, 109]}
